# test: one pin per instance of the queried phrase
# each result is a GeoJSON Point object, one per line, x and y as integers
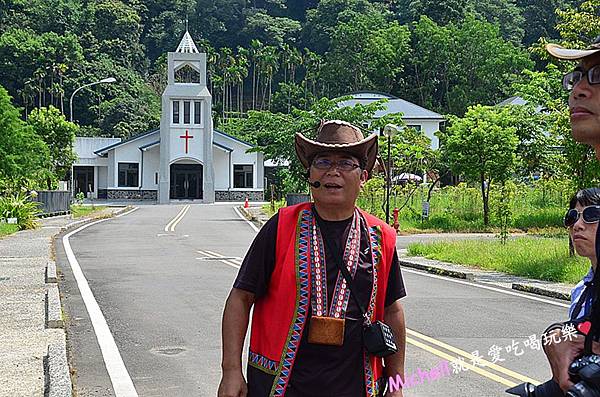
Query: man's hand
{"type": "Point", "coordinates": [396, 393]}
{"type": "Point", "coordinates": [562, 354]}
{"type": "Point", "coordinates": [233, 384]}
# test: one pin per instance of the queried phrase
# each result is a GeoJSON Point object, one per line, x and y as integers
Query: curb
{"type": "Point", "coordinates": [530, 288]}
{"type": "Point", "coordinates": [54, 317]}
{"type": "Point", "coordinates": [51, 272]}
{"type": "Point", "coordinates": [541, 291]}
{"type": "Point", "coordinates": [58, 379]}
{"type": "Point", "coordinates": [437, 270]}
{"type": "Point", "coordinates": [251, 217]}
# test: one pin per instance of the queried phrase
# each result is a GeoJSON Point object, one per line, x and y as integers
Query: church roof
{"type": "Point", "coordinates": [103, 151]}
{"type": "Point", "coordinates": [187, 45]}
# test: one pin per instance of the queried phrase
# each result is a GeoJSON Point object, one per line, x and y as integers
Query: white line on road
{"type": "Point", "coordinates": [252, 225]}
{"type": "Point", "coordinates": [220, 257]}
{"type": "Point", "coordinates": [171, 225]}
{"type": "Point", "coordinates": [119, 376]}
{"type": "Point", "coordinates": [477, 285]}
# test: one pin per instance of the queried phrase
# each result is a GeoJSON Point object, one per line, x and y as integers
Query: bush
{"type": "Point", "coordinates": [20, 206]}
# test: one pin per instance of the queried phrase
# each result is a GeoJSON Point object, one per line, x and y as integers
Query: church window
{"type": "Point", "coordinates": [242, 176]}
{"type": "Point", "coordinates": [186, 112]}
{"type": "Point", "coordinates": [128, 174]}
{"type": "Point", "coordinates": [175, 112]}
{"type": "Point", "coordinates": [197, 110]}
{"type": "Point", "coordinates": [187, 74]}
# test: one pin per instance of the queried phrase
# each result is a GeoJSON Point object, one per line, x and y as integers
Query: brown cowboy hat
{"type": "Point", "coordinates": [338, 136]}
{"type": "Point", "coordinates": [572, 54]}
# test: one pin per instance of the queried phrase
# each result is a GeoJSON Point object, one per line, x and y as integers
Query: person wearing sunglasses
{"type": "Point", "coordinates": [583, 83]}
{"type": "Point", "coordinates": [581, 220]}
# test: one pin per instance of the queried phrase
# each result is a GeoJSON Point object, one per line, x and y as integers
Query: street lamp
{"type": "Point", "coordinates": [106, 80]}
{"type": "Point", "coordinates": [389, 131]}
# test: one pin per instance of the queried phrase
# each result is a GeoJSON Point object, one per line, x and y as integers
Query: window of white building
{"type": "Point", "coordinates": [192, 115]}
{"type": "Point", "coordinates": [242, 176]}
{"type": "Point", "coordinates": [175, 112]}
{"type": "Point", "coordinates": [128, 174]}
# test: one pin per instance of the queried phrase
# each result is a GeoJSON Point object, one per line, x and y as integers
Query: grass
{"type": "Point", "coordinates": [533, 257]}
{"type": "Point", "coordinates": [83, 210]}
{"type": "Point", "coordinates": [6, 229]}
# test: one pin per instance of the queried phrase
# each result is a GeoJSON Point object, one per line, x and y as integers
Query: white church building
{"type": "Point", "coordinates": [185, 159]}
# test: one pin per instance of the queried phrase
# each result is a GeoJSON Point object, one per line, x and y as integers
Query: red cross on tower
{"type": "Point", "coordinates": [187, 137]}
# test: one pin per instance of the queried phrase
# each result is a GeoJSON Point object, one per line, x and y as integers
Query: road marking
{"type": "Point", "coordinates": [252, 225]}
{"type": "Point", "coordinates": [469, 356]}
{"type": "Point", "coordinates": [473, 368]}
{"type": "Point", "coordinates": [221, 258]}
{"type": "Point", "coordinates": [171, 225]}
{"type": "Point", "coordinates": [477, 285]}
{"type": "Point", "coordinates": [119, 376]}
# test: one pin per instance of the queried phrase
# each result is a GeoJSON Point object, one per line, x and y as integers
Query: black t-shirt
{"type": "Point", "coordinates": [319, 370]}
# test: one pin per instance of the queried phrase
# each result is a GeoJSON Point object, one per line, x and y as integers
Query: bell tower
{"type": "Point", "coordinates": [186, 129]}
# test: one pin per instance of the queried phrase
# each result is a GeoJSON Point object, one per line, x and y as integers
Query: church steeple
{"type": "Point", "coordinates": [187, 45]}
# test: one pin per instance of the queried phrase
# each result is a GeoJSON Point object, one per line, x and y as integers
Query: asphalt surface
{"type": "Point", "coordinates": [163, 300]}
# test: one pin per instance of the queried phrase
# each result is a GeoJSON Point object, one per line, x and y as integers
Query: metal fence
{"type": "Point", "coordinates": [54, 202]}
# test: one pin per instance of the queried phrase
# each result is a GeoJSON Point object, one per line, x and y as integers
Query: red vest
{"type": "Point", "coordinates": [280, 316]}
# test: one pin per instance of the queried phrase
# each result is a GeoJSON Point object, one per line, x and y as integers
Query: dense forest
{"type": "Point", "coordinates": [271, 54]}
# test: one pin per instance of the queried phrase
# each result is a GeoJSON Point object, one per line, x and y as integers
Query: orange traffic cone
{"type": "Point", "coordinates": [246, 203]}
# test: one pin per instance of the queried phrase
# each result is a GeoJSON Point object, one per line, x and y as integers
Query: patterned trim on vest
{"type": "Point", "coordinates": [375, 237]}
{"type": "Point", "coordinates": [282, 376]}
{"type": "Point", "coordinates": [263, 363]}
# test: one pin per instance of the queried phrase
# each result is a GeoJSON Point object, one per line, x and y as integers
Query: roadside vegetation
{"type": "Point", "coordinates": [533, 257]}
{"type": "Point", "coordinates": [78, 211]}
{"type": "Point", "coordinates": [6, 229]}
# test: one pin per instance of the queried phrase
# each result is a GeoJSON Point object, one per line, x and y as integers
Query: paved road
{"type": "Point", "coordinates": [162, 294]}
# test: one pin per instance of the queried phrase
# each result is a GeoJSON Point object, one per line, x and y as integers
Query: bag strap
{"type": "Point", "coordinates": [348, 278]}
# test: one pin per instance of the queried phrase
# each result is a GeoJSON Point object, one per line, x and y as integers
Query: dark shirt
{"type": "Point", "coordinates": [319, 370]}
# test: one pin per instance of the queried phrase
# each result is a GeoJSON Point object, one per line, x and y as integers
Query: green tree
{"type": "Point", "coordinates": [58, 134]}
{"type": "Point", "coordinates": [454, 66]}
{"type": "Point", "coordinates": [269, 29]}
{"type": "Point", "coordinates": [367, 53]}
{"type": "Point", "coordinates": [481, 146]}
{"type": "Point", "coordinates": [24, 157]}
{"type": "Point", "coordinates": [441, 11]}
{"type": "Point", "coordinates": [321, 22]}
{"type": "Point", "coordinates": [504, 13]}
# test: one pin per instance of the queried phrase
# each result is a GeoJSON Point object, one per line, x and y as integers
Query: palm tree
{"type": "Point", "coordinates": [255, 50]}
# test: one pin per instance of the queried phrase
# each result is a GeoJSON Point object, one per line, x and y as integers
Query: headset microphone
{"type": "Point", "coordinates": [315, 184]}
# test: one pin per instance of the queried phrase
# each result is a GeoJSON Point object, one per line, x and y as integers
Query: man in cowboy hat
{"type": "Point", "coordinates": [307, 325]}
{"type": "Point", "coordinates": [584, 86]}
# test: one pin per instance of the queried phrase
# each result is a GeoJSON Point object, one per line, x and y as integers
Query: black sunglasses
{"type": "Point", "coordinates": [570, 80]}
{"type": "Point", "coordinates": [591, 214]}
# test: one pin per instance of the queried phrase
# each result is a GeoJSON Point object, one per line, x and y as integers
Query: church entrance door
{"type": "Point", "coordinates": [186, 181]}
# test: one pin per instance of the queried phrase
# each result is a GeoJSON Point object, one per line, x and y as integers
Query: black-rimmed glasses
{"type": "Point", "coordinates": [570, 80]}
{"type": "Point", "coordinates": [342, 165]}
{"type": "Point", "coordinates": [591, 214]}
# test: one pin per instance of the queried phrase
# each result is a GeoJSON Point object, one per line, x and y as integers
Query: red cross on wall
{"type": "Point", "coordinates": [187, 137]}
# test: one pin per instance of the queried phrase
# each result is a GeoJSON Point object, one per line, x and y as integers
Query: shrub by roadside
{"type": "Point", "coordinates": [533, 257]}
{"type": "Point", "coordinates": [21, 207]}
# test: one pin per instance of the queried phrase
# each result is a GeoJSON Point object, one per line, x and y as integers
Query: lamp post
{"type": "Point", "coordinates": [389, 131]}
{"type": "Point", "coordinates": [107, 80]}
